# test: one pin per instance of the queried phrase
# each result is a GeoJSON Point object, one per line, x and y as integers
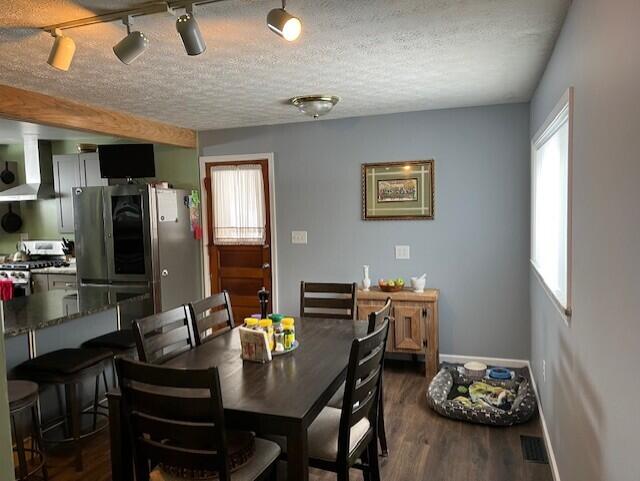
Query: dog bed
{"type": "Point", "coordinates": [486, 401]}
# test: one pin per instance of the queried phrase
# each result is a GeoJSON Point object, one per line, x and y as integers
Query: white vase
{"type": "Point", "coordinates": [366, 282]}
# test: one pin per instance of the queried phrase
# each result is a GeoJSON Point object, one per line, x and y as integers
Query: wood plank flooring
{"type": "Point", "coordinates": [422, 444]}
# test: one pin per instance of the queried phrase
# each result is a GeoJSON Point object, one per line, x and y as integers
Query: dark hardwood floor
{"type": "Point", "coordinates": [422, 444]}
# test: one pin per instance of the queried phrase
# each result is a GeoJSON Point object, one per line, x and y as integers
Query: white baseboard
{"type": "Point", "coordinates": [489, 361]}
{"type": "Point", "coordinates": [545, 430]}
{"type": "Point", "coordinates": [515, 363]}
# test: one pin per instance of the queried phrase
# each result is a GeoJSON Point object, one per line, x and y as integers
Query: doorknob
{"type": "Point", "coordinates": [266, 265]}
{"type": "Point", "coordinates": [164, 273]}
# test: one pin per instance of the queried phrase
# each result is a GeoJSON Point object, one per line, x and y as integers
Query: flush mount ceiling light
{"type": "Point", "coordinates": [283, 23]}
{"type": "Point", "coordinates": [187, 27]}
{"type": "Point", "coordinates": [315, 105]}
{"type": "Point", "coordinates": [62, 51]}
{"type": "Point", "coordinates": [132, 46]}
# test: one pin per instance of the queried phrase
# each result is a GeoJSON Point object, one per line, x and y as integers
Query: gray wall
{"type": "Point", "coordinates": [476, 250]}
{"type": "Point", "coordinates": [592, 387]}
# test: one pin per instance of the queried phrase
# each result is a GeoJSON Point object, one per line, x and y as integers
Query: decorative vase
{"type": "Point", "coordinates": [366, 282]}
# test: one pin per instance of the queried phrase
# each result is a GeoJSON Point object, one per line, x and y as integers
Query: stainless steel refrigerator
{"type": "Point", "coordinates": [137, 238]}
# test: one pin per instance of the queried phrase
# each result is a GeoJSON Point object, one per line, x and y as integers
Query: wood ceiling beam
{"type": "Point", "coordinates": [27, 106]}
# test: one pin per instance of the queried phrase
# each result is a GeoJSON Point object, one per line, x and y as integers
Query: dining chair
{"type": "Point", "coordinates": [375, 319]}
{"type": "Point", "coordinates": [340, 439]}
{"type": "Point", "coordinates": [211, 316]}
{"type": "Point", "coordinates": [328, 300]}
{"type": "Point", "coordinates": [163, 336]}
{"type": "Point", "coordinates": [177, 426]}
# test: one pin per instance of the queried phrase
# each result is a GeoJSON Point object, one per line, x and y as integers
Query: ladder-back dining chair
{"type": "Point", "coordinates": [163, 336]}
{"type": "Point", "coordinates": [328, 300]}
{"type": "Point", "coordinates": [177, 428]}
{"type": "Point", "coordinates": [211, 316]}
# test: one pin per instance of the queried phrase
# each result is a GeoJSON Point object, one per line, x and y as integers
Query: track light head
{"type": "Point", "coordinates": [284, 24]}
{"type": "Point", "coordinates": [132, 46]}
{"type": "Point", "coordinates": [187, 27]}
{"type": "Point", "coordinates": [62, 51]}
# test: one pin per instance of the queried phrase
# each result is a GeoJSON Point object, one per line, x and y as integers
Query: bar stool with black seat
{"type": "Point", "coordinates": [23, 399]}
{"type": "Point", "coordinates": [177, 426]}
{"type": "Point", "coordinates": [120, 343]}
{"type": "Point", "coordinates": [340, 439]}
{"type": "Point", "coordinates": [163, 336]}
{"type": "Point", "coordinates": [70, 368]}
{"type": "Point", "coordinates": [328, 300]}
{"type": "Point", "coordinates": [211, 317]}
{"type": "Point", "coordinates": [375, 320]}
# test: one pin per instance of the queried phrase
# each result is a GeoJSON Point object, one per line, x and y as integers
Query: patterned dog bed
{"type": "Point", "coordinates": [441, 398]}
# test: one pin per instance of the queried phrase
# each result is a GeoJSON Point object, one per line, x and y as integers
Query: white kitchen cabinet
{"type": "Point", "coordinates": [70, 171]}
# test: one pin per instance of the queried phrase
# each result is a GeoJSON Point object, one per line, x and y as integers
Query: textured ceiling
{"type": "Point", "coordinates": [379, 56]}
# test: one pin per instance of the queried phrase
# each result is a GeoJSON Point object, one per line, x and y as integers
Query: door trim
{"type": "Point", "coordinates": [204, 159]}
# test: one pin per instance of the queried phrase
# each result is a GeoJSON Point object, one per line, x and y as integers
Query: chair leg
{"type": "Point", "coordinates": [366, 472]}
{"type": "Point", "coordinates": [96, 393]}
{"type": "Point", "coordinates": [343, 474]}
{"type": "Point", "coordinates": [37, 434]}
{"type": "Point", "coordinates": [373, 460]}
{"type": "Point", "coordinates": [23, 467]}
{"type": "Point", "coordinates": [74, 407]}
{"type": "Point", "coordinates": [382, 433]}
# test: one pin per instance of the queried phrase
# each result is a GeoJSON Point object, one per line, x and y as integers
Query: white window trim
{"type": "Point", "coordinates": [548, 128]}
{"type": "Point", "coordinates": [272, 211]}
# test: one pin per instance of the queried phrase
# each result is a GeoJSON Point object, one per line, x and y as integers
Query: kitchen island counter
{"type": "Point", "coordinates": [46, 309]}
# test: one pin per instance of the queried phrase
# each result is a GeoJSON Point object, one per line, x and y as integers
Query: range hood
{"type": "Point", "coordinates": [38, 167]}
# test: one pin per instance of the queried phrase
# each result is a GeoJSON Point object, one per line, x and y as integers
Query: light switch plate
{"type": "Point", "coordinates": [298, 236]}
{"type": "Point", "coordinates": [403, 252]}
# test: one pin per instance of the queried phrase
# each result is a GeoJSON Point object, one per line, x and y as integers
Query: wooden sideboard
{"type": "Point", "coordinates": [414, 323]}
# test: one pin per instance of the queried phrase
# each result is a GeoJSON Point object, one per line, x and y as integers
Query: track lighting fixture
{"type": "Point", "coordinates": [132, 46]}
{"type": "Point", "coordinates": [62, 51]}
{"type": "Point", "coordinates": [283, 23]}
{"type": "Point", "coordinates": [187, 27]}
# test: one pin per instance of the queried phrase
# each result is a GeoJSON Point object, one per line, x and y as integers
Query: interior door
{"type": "Point", "coordinates": [242, 270]}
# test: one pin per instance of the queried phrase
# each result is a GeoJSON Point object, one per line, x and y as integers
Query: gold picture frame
{"type": "Point", "coordinates": [398, 190]}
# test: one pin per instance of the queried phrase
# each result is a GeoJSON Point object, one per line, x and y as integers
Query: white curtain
{"type": "Point", "coordinates": [239, 212]}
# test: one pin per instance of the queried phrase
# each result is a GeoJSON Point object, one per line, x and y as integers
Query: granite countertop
{"type": "Point", "coordinates": [70, 270]}
{"type": "Point", "coordinates": [46, 309]}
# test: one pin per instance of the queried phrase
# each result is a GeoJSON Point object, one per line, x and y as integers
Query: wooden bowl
{"type": "Point", "coordinates": [390, 289]}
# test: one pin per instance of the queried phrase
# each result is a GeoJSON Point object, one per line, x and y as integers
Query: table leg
{"type": "Point", "coordinates": [297, 454]}
{"type": "Point", "coordinates": [121, 462]}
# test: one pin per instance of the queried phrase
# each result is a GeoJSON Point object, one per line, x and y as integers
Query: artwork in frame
{"type": "Point", "coordinates": [398, 190]}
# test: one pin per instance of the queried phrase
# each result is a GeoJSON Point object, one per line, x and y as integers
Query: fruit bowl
{"type": "Point", "coordinates": [385, 288]}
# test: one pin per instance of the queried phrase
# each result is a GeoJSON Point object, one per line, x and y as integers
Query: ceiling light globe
{"type": "Point", "coordinates": [131, 47]}
{"type": "Point", "coordinates": [62, 53]}
{"type": "Point", "coordinates": [284, 24]}
{"type": "Point", "coordinates": [187, 27]}
{"type": "Point", "coordinates": [315, 105]}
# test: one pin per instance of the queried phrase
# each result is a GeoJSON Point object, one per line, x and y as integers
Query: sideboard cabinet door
{"type": "Point", "coordinates": [408, 326]}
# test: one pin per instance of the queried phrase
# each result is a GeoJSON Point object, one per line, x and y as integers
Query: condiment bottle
{"type": "Point", "coordinates": [267, 326]}
{"type": "Point", "coordinates": [289, 330]}
{"type": "Point", "coordinates": [251, 323]}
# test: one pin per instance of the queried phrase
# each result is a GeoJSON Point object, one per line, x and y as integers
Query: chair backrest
{"type": "Point", "coordinates": [175, 418]}
{"type": "Point", "coordinates": [335, 301]}
{"type": "Point", "coordinates": [163, 336]}
{"type": "Point", "coordinates": [210, 316]}
{"type": "Point", "coordinates": [376, 318]}
{"type": "Point", "coordinates": [362, 388]}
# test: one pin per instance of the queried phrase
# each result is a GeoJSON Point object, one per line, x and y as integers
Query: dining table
{"type": "Point", "coordinates": [282, 397]}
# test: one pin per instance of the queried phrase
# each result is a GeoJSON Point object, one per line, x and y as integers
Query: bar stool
{"type": "Point", "coordinates": [70, 367]}
{"type": "Point", "coordinates": [120, 342]}
{"type": "Point", "coordinates": [23, 398]}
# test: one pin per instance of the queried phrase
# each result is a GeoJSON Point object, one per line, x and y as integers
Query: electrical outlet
{"type": "Point", "coordinates": [298, 236]}
{"type": "Point", "coordinates": [403, 252]}
{"type": "Point", "coordinates": [544, 371]}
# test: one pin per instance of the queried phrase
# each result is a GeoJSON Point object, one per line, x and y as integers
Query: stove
{"type": "Point", "coordinates": [47, 253]}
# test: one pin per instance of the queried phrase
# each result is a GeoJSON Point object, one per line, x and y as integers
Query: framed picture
{"type": "Point", "coordinates": [398, 190]}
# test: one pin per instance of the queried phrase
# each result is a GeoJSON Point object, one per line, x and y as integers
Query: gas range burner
{"type": "Point", "coordinates": [28, 265]}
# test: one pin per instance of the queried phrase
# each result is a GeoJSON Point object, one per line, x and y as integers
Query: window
{"type": "Point", "coordinates": [239, 213]}
{"type": "Point", "coordinates": [551, 203]}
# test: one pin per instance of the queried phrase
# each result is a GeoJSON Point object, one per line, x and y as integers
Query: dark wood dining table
{"type": "Point", "coordinates": [281, 397]}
